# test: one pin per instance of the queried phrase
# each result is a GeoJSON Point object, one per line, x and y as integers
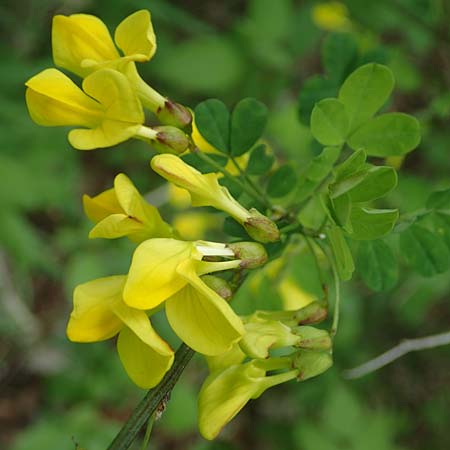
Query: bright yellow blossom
{"type": "Point", "coordinates": [99, 313]}
{"type": "Point", "coordinates": [108, 110]}
{"type": "Point", "coordinates": [122, 211]}
{"type": "Point", "coordinates": [225, 392]}
{"type": "Point", "coordinates": [82, 44]}
{"type": "Point", "coordinates": [205, 189]}
{"type": "Point", "coordinates": [168, 270]}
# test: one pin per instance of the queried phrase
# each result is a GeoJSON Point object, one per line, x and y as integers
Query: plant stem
{"type": "Point", "coordinates": [148, 432]}
{"type": "Point", "coordinates": [250, 181]}
{"type": "Point", "coordinates": [337, 288]}
{"type": "Point", "coordinates": [152, 401]}
{"type": "Point", "coordinates": [408, 345]}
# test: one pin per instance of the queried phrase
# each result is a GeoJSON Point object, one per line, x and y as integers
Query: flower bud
{"type": "Point", "coordinates": [174, 114]}
{"type": "Point", "coordinates": [311, 364]}
{"type": "Point", "coordinates": [218, 285]}
{"type": "Point", "coordinates": [262, 335]}
{"type": "Point", "coordinates": [312, 338]}
{"type": "Point", "coordinates": [170, 140]}
{"type": "Point", "coordinates": [315, 312]}
{"type": "Point", "coordinates": [251, 254]}
{"type": "Point", "coordinates": [261, 228]}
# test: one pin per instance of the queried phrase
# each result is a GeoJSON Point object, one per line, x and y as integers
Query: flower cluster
{"type": "Point", "coordinates": [187, 279]}
{"type": "Point", "coordinates": [110, 105]}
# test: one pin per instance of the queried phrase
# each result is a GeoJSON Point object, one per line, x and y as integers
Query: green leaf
{"type": "Point", "coordinates": [329, 122]}
{"type": "Point", "coordinates": [368, 223]}
{"type": "Point", "coordinates": [203, 166]}
{"type": "Point", "coordinates": [424, 250]}
{"type": "Point", "coordinates": [248, 121]}
{"type": "Point", "coordinates": [341, 252]}
{"type": "Point", "coordinates": [282, 181]}
{"type": "Point", "coordinates": [317, 171]}
{"type": "Point", "coordinates": [377, 265]}
{"type": "Point", "coordinates": [440, 201]}
{"type": "Point", "coordinates": [377, 182]}
{"type": "Point", "coordinates": [213, 122]}
{"type": "Point", "coordinates": [339, 53]}
{"type": "Point", "coordinates": [354, 163]}
{"type": "Point", "coordinates": [345, 185]}
{"type": "Point", "coordinates": [261, 160]}
{"type": "Point", "coordinates": [341, 210]}
{"type": "Point", "coordinates": [314, 90]}
{"type": "Point", "coordinates": [365, 91]}
{"type": "Point", "coordinates": [392, 134]}
{"type": "Point", "coordinates": [441, 226]}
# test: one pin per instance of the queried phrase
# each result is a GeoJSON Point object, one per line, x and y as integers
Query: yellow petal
{"type": "Point", "coordinates": [138, 321]}
{"type": "Point", "coordinates": [136, 207]}
{"type": "Point", "coordinates": [53, 99]}
{"type": "Point", "coordinates": [200, 141]}
{"type": "Point", "coordinates": [143, 365]}
{"type": "Point", "coordinates": [115, 226]}
{"type": "Point", "coordinates": [92, 319]}
{"type": "Point", "coordinates": [153, 277]}
{"type": "Point", "coordinates": [113, 90]}
{"type": "Point", "coordinates": [220, 362]}
{"type": "Point", "coordinates": [135, 36]}
{"type": "Point", "coordinates": [102, 205]}
{"type": "Point", "coordinates": [224, 394]}
{"type": "Point", "coordinates": [107, 134]}
{"type": "Point", "coordinates": [200, 317]}
{"type": "Point", "coordinates": [123, 114]}
{"type": "Point", "coordinates": [81, 37]}
{"type": "Point", "coordinates": [205, 189]}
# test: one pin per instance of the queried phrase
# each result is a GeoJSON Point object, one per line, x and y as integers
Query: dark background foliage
{"type": "Point", "coordinates": [54, 394]}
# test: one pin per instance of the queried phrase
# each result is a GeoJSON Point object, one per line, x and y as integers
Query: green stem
{"type": "Point", "coordinates": [152, 401]}
{"type": "Point", "coordinates": [148, 432]}
{"type": "Point", "coordinates": [228, 175]}
{"type": "Point", "coordinates": [250, 182]}
{"type": "Point", "coordinates": [337, 288]}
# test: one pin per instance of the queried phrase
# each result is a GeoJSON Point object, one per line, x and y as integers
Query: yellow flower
{"type": "Point", "coordinates": [108, 110]}
{"type": "Point", "coordinates": [82, 44]}
{"type": "Point", "coordinates": [224, 393]}
{"type": "Point", "coordinates": [205, 190]}
{"type": "Point", "coordinates": [122, 211]}
{"type": "Point", "coordinates": [331, 16]}
{"type": "Point", "coordinates": [99, 313]}
{"type": "Point", "coordinates": [168, 270]}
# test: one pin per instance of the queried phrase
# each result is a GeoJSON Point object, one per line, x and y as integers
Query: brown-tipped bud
{"type": "Point", "coordinates": [315, 312]}
{"type": "Point", "coordinates": [311, 364]}
{"type": "Point", "coordinates": [218, 285]}
{"type": "Point", "coordinates": [174, 114]}
{"type": "Point", "coordinates": [251, 254]}
{"type": "Point", "coordinates": [261, 228]}
{"type": "Point", "coordinates": [312, 338]}
{"type": "Point", "coordinates": [170, 140]}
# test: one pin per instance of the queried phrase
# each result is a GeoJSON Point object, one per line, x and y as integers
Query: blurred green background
{"type": "Point", "coordinates": [55, 394]}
